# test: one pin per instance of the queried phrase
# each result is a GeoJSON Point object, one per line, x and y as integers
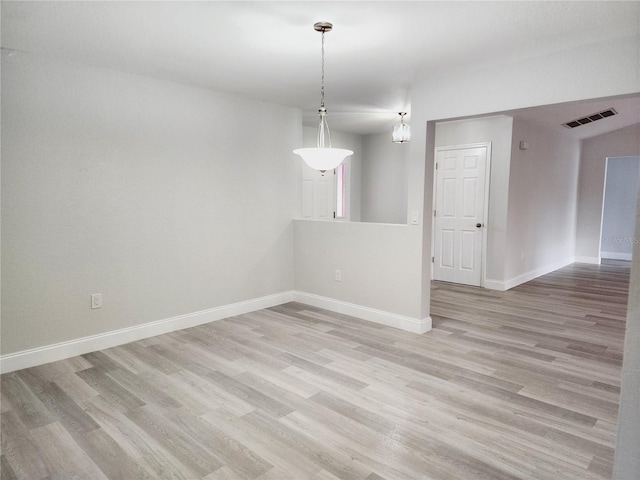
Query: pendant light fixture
{"type": "Point", "coordinates": [401, 131]}
{"type": "Point", "coordinates": [323, 157]}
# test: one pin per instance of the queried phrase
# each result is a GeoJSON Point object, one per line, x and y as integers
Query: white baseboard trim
{"type": "Point", "coordinates": [526, 277]}
{"type": "Point", "coordinates": [80, 346]}
{"type": "Point", "coordinates": [616, 256]}
{"type": "Point", "coordinates": [494, 285]}
{"type": "Point", "coordinates": [389, 319]}
{"type": "Point", "coordinates": [591, 260]}
{"type": "Point", "coordinates": [538, 272]}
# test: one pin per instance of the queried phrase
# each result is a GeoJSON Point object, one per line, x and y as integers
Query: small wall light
{"type": "Point", "coordinates": [401, 131]}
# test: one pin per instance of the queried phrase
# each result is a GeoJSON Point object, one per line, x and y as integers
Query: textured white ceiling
{"type": "Point", "coordinates": [269, 50]}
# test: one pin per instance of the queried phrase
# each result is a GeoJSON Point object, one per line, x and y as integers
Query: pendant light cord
{"type": "Point", "coordinates": [322, 85]}
{"type": "Point", "coordinates": [324, 134]}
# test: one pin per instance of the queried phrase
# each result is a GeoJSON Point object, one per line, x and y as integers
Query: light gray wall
{"type": "Point", "coordinates": [498, 131]}
{"type": "Point", "coordinates": [384, 179]}
{"type": "Point", "coordinates": [595, 150]}
{"type": "Point", "coordinates": [376, 271]}
{"type": "Point", "coordinates": [619, 210]}
{"type": "Point", "coordinates": [543, 186]}
{"type": "Point", "coordinates": [166, 199]}
{"type": "Point", "coordinates": [627, 456]}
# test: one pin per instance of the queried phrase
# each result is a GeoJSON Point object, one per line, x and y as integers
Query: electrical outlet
{"type": "Point", "coordinates": [338, 275]}
{"type": "Point", "coordinates": [96, 300]}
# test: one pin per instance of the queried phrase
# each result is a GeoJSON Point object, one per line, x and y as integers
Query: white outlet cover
{"type": "Point", "coordinates": [96, 300]}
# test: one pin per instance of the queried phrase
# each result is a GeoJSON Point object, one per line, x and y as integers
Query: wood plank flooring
{"type": "Point", "coordinates": [509, 385]}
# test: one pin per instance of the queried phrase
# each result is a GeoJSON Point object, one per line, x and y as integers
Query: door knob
{"type": "Point", "coordinates": [478, 225]}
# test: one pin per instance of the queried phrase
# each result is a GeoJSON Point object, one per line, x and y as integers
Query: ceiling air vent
{"type": "Point", "coordinates": [590, 118]}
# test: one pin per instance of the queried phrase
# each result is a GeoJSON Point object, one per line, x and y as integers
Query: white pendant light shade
{"type": "Point", "coordinates": [323, 159]}
{"type": "Point", "coordinates": [401, 131]}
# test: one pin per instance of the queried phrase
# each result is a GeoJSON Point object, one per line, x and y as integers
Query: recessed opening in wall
{"type": "Point", "coordinates": [384, 179]}
{"type": "Point", "coordinates": [622, 179]}
{"type": "Point", "coordinates": [370, 186]}
{"type": "Point", "coordinates": [336, 194]}
{"type": "Point", "coordinates": [540, 216]}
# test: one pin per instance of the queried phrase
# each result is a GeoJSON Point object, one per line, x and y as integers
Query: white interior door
{"type": "Point", "coordinates": [459, 222]}
{"type": "Point", "coordinates": [318, 192]}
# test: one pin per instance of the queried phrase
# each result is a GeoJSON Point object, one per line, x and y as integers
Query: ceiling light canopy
{"type": "Point", "coordinates": [401, 131]}
{"type": "Point", "coordinates": [323, 157]}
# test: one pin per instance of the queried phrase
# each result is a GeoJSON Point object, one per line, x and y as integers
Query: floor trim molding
{"type": "Point", "coordinates": [494, 285]}
{"type": "Point", "coordinates": [79, 346]}
{"type": "Point", "coordinates": [527, 276]}
{"type": "Point", "coordinates": [389, 319]}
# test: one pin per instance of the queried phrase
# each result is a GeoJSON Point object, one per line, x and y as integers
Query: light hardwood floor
{"type": "Point", "coordinates": [509, 385]}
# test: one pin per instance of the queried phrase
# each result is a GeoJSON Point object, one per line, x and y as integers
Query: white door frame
{"type": "Point", "coordinates": [487, 182]}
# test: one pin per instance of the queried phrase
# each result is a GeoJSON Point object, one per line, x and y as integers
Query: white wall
{"type": "Point", "coordinates": [497, 130]}
{"type": "Point", "coordinates": [166, 199]}
{"type": "Point", "coordinates": [384, 179]}
{"type": "Point", "coordinates": [543, 188]}
{"type": "Point", "coordinates": [627, 455]}
{"type": "Point", "coordinates": [619, 210]}
{"type": "Point", "coordinates": [595, 150]}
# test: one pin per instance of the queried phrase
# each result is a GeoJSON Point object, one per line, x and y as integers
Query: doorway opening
{"type": "Point", "coordinates": [622, 180]}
